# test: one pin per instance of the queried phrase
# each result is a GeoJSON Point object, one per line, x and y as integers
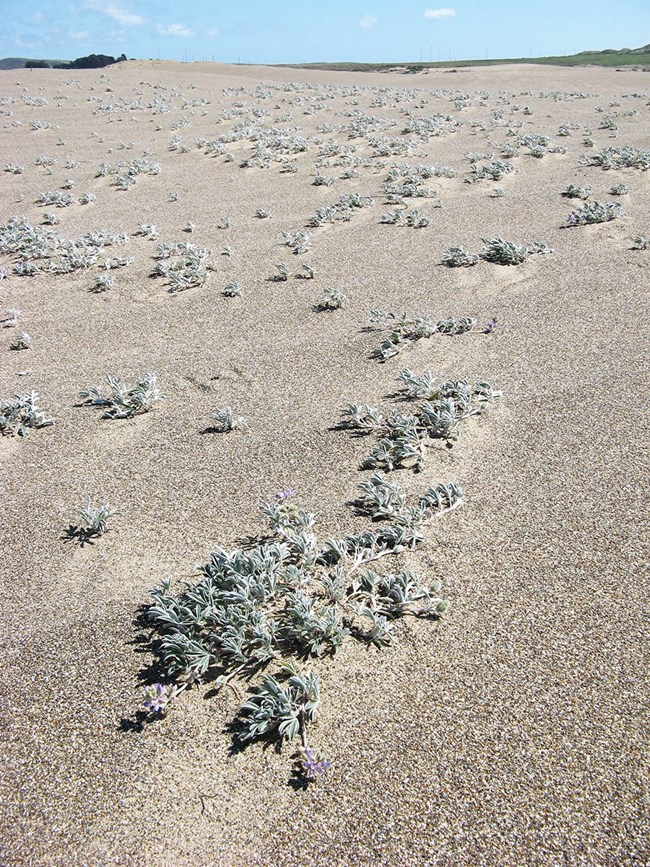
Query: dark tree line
{"type": "Point", "coordinates": [91, 61]}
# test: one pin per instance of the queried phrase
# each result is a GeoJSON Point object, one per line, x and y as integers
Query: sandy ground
{"type": "Point", "coordinates": [514, 731]}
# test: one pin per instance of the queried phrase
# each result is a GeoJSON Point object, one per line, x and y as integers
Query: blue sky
{"type": "Point", "coordinates": [277, 31]}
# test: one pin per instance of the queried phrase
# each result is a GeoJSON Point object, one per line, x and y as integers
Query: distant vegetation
{"type": "Point", "coordinates": [608, 57]}
{"type": "Point", "coordinates": [91, 61]}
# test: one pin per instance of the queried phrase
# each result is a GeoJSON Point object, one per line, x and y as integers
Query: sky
{"type": "Point", "coordinates": [286, 31]}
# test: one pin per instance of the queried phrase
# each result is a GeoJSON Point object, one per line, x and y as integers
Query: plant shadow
{"type": "Point", "coordinates": [80, 535]}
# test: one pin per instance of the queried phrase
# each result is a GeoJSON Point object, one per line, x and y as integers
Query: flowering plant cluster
{"type": "Point", "coordinates": [292, 599]}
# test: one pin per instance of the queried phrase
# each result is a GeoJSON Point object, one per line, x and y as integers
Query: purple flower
{"type": "Point", "coordinates": [490, 325]}
{"type": "Point", "coordinates": [156, 698]}
{"type": "Point", "coordinates": [281, 496]}
{"type": "Point", "coordinates": [313, 764]}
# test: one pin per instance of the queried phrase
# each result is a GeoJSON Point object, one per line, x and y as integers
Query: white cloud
{"type": "Point", "coordinates": [78, 34]}
{"type": "Point", "coordinates": [213, 31]}
{"type": "Point", "coordinates": [368, 22]}
{"type": "Point", "coordinates": [115, 11]}
{"type": "Point", "coordinates": [436, 14]}
{"type": "Point", "coordinates": [175, 30]}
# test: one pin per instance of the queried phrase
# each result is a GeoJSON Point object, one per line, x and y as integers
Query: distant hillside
{"type": "Point", "coordinates": [607, 57]}
{"type": "Point", "coordinates": [20, 62]}
{"type": "Point", "coordinates": [91, 61]}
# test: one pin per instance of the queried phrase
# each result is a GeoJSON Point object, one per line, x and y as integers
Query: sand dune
{"type": "Point", "coordinates": [514, 730]}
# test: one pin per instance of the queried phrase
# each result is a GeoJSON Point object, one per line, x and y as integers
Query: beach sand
{"type": "Point", "coordinates": [511, 732]}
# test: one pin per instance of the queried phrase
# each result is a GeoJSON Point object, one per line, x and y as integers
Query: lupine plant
{"type": "Point", "coordinates": [297, 241]}
{"type": "Point", "coordinates": [123, 400]}
{"type": "Point", "coordinates": [502, 252]}
{"type": "Point", "coordinates": [19, 415]}
{"type": "Point", "coordinates": [282, 274]}
{"type": "Point", "coordinates": [574, 192]}
{"type": "Point", "coordinates": [22, 340]}
{"type": "Point", "coordinates": [307, 272]}
{"type": "Point", "coordinates": [224, 420]}
{"type": "Point", "coordinates": [332, 299]}
{"type": "Point", "coordinates": [617, 158]}
{"type": "Point", "coordinates": [94, 523]}
{"type": "Point", "coordinates": [404, 437]}
{"type": "Point", "coordinates": [594, 213]}
{"type": "Point", "coordinates": [184, 264]}
{"type": "Point", "coordinates": [232, 289]}
{"type": "Point", "coordinates": [405, 330]}
{"type": "Point", "coordinates": [95, 518]}
{"type": "Point", "coordinates": [42, 251]}
{"type": "Point", "coordinates": [102, 283]}
{"type": "Point", "coordinates": [288, 599]}
{"type": "Point", "coordinates": [10, 317]}
{"type": "Point", "coordinates": [458, 257]}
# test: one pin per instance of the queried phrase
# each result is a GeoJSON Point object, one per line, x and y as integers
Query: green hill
{"type": "Point", "coordinates": [607, 57]}
{"type": "Point", "coordinates": [21, 62]}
